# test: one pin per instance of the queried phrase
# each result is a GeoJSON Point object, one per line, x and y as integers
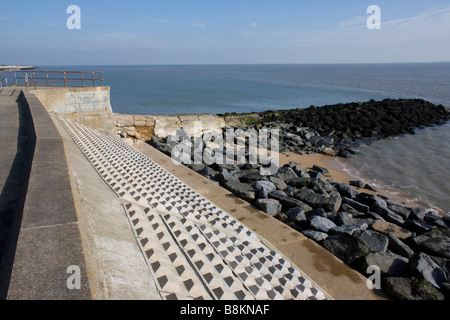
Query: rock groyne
{"type": "Point", "coordinates": [408, 246]}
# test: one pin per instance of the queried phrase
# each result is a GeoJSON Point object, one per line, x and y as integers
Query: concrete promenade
{"type": "Point", "coordinates": [45, 238]}
{"type": "Point", "coordinates": [70, 216]}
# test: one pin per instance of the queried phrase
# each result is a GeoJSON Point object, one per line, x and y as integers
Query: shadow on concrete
{"type": "Point", "coordinates": [12, 197]}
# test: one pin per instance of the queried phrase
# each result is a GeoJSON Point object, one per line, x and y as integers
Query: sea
{"type": "Point", "coordinates": [415, 167]}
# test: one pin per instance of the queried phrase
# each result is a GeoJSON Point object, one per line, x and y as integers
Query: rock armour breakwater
{"type": "Point", "coordinates": [332, 129]}
{"type": "Point", "coordinates": [409, 246]}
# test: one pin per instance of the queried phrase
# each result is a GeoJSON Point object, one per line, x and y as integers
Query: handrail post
{"type": "Point", "coordinates": [48, 83]}
{"type": "Point", "coordinates": [26, 80]}
{"type": "Point", "coordinates": [15, 78]}
{"type": "Point", "coordinates": [82, 79]}
{"type": "Point", "coordinates": [93, 80]}
{"type": "Point", "coordinates": [65, 80]}
{"type": "Point", "coordinates": [6, 82]}
{"type": "Point", "coordinates": [101, 78]}
{"type": "Point", "coordinates": [34, 80]}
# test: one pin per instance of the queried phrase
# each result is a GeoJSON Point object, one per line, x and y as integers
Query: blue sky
{"type": "Point", "coordinates": [218, 32]}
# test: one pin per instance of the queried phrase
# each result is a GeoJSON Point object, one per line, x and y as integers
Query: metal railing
{"type": "Point", "coordinates": [3, 81]}
{"type": "Point", "coordinates": [59, 78]}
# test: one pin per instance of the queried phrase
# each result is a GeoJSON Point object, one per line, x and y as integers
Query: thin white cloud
{"type": "Point", "coordinates": [430, 25]}
{"type": "Point", "coordinates": [197, 24]}
{"type": "Point", "coordinates": [355, 22]}
{"type": "Point", "coordinates": [425, 16]}
{"type": "Point", "coordinates": [4, 19]}
{"type": "Point", "coordinates": [50, 24]}
{"type": "Point", "coordinates": [253, 24]}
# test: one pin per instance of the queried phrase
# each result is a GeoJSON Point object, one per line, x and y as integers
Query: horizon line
{"type": "Point", "coordinates": [225, 64]}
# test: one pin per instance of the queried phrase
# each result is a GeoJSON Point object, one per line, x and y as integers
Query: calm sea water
{"type": "Point", "coordinates": [416, 165]}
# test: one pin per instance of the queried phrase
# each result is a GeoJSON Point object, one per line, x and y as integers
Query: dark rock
{"type": "Point", "coordinates": [285, 219]}
{"type": "Point", "coordinates": [320, 169]}
{"type": "Point", "coordinates": [348, 248]}
{"type": "Point", "coordinates": [279, 193]}
{"type": "Point", "coordinates": [289, 202]}
{"type": "Point", "coordinates": [376, 241]}
{"type": "Point", "coordinates": [358, 184]}
{"type": "Point", "coordinates": [348, 229]}
{"type": "Point", "coordinates": [262, 194]}
{"type": "Point", "coordinates": [434, 242]}
{"type": "Point", "coordinates": [422, 266]}
{"type": "Point", "coordinates": [321, 224]}
{"type": "Point", "coordinates": [238, 173]}
{"type": "Point", "coordinates": [418, 213]}
{"type": "Point", "coordinates": [369, 187]}
{"type": "Point", "coordinates": [400, 210]}
{"type": "Point", "coordinates": [347, 208]}
{"type": "Point", "coordinates": [398, 246]}
{"type": "Point", "coordinates": [297, 215]}
{"type": "Point", "coordinates": [315, 235]}
{"type": "Point", "coordinates": [390, 264]}
{"type": "Point", "coordinates": [286, 173]}
{"type": "Point", "coordinates": [330, 202]}
{"type": "Point", "coordinates": [314, 140]}
{"type": "Point", "coordinates": [267, 186]}
{"type": "Point", "coordinates": [391, 216]}
{"type": "Point", "coordinates": [410, 289]}
{"type": "Point", "coordinates": [344, 218]}
{"type": "Point", "coordinates": [289, 191]}
{"type": "Point", "coordinates": [227, 166]}
{"type": "Point", "coordinates": [208, 172]}
{"type": "Point", "coordinates": [418, 226]}
{"type": "Point", "coordinates": [300, 183]}
{"type": "Point", "coordinates": [355, 205]}
{"type": "Point", "coordinates": [316, 176]}
{"type": "Point", "coordinates": [226, 177]}
{"type": "Point", "coordinates": [445, 289]}
{"type": "Point", "coordinates": [362, 221]}
{"type": "Point", "coordinates": [436, 220]}
{"type": "Point", "coordinates": [270, 206]}
{"type": "Point", "coordinates": [378, 205]}
{"type": "Point", "coordinates": [253, 177]}
{"type": "Point", "coordinates": [278, 182]}
{"type": "Point", "coordinates": [366, 198]}
{"type": "Point", "coordinates": [345, 190]}
{"type": "Point", "coordinates": [300, 172]}
{"type": "Point", "coordinates": [443, 263]}
{"type": "Point", "coordinates": [242, 190]}
{"type": "Point", "coordinates": [321, 213]}
{"type": "Point", "coordinates": [373, 215]}
{"type": "Point", "coordinates": [197, 167]}
{"type": "Point", "coordinates": [446, 220]}
{"type": "Point", "coordinates": [344, 153]}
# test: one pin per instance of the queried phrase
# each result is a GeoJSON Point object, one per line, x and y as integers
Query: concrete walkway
{"type": "Point", "coordinates": [14, 164]}
{"type": "Point", "coordinates": [48, 249]}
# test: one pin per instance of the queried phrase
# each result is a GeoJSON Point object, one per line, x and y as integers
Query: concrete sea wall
{"type": "Point", "coordinates": [144, 127]}
{"type": "Point", "coordinates": [89, 105]}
